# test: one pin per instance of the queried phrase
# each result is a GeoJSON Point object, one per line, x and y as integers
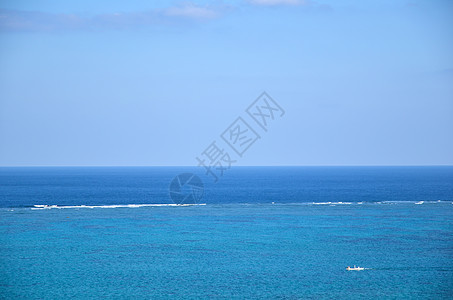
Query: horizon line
{"type": "Point", "coordinates": [195, 166]}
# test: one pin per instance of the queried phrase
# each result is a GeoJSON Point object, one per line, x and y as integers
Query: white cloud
{"type": "Point", "coordinates": [278, 2]}
{"type": "Point", "coordinates": [192, 11]}
{"type": "Point", "coordinates": [40, 21]}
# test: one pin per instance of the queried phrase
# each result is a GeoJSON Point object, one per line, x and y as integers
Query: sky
{"type": "Point", "coordinates": [155, 83]}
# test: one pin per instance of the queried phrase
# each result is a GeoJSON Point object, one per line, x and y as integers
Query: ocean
{"type": "Point", "coordinates": [256, 233]}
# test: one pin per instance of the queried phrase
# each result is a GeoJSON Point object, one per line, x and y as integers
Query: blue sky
{"type": "Point", "coordinates": [155, 82]}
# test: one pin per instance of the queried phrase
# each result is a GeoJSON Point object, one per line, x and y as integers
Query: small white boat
{"type": "Point", "coordinates": [355, 268]}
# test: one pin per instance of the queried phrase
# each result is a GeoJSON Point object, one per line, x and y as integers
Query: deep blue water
{"type": "Point", "coordinates": [239, 245]}
{"type": "Point", "coordinates": [22, 187]}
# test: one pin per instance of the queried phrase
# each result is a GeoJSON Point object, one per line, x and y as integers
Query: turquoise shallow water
{"type": "Point", "coordinates": [287, 251]}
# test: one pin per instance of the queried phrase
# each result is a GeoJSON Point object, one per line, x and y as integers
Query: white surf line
{"type": "Point", "coordinates": [41, 206]}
